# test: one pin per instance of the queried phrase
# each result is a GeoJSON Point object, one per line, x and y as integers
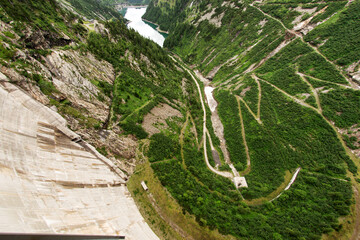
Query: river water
{"type": "Point", "coordinates": [147, 30]}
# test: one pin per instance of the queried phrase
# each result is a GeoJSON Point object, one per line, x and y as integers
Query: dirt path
{"type": "Point", "coordinates": [259, 98]}
{"type": "Point", "coordinates": [195, 132]}
{"type": "Point", "coordinates": [262, 200]}
{"type": "Point", "coordinates": [238, 98]}
{"type": "Point", "coordinates": [269, 16]}
{"type": "Point", "coordinates": [224, 174]}
{"type": "Point", "coordinates": [353, 85]}
{"type": "Point", "coordinates": [181, 139]}
{"type": "Point", "coordinates": [288, 181]}
{"type": "Point", "coordinates": [288, 95]}
{"type": "Point", "coordinates": [356, 232]}
{"type": "Point", "coordinates": [314, 92]}
{"type": "Point", "coordinates": [299, 35]}
{"type": "Point", "coordinates": [320, 80]}
{"type": "Point", "coordinates": [248, 161]}
{"type": "Point", "coordinates": [215, 119]}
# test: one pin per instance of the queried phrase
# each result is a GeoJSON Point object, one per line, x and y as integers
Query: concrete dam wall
{"type": "Point", "coordinates": [51, 184]}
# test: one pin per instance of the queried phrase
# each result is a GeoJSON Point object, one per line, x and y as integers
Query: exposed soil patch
{"type": "Point", "coordinates": [263, 22]}
{"type": "Point", "coordinates": [208, 55]}
{"type": "Point", "coordinates": [303, 96]}
{"type": "Point", "coordinates": [303, 11]}
{"type": "Point", "coordinates": [156, 119]}
{"type": "Point", "coordinates": [215, 21]}
{"type": "Point", "coordinates": [243, 92]}
{"type": "Point", "coordinates": [353, 133]}
{"type": "Point", "coordinates": [216, 157]}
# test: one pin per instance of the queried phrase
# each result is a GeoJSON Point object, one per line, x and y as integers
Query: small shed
{"type": "Point", "coordinates": [240, 182]}
{"type": "Point", "coordinates": [143, 184]}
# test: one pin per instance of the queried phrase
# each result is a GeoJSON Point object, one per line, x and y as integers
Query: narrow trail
{"type": "Point", "coordinates": [224, 174]}
{"type": "Point", "coordinates": [259, 98]}
{"type": "Point", "coordinates": [248, 160]}
{"type": "Point", "coordinates": [210, 141]}
{"type": "Point", "coordinates": [137, 110]}
{"type": "Point", "coordinates": [351, 84]}
{"type": "Point", "coordinates": [314, 92]}
{"type": "Point", "coordinates": [270, 16]}
{"type": "Point", "coordinates": [320, 80]}
{"type": "Point", "coordinates": [238, 98]}
{"type": "Point", "coordinates": [288, 95]}
{"type": "Point", "coordinates": [195, 132]}
{"type": "Point", "coordinates": [164, 217]}
{"type": "Point", "coordinates": [299, 35]}
{"type": "Point", "coordinates": [270, 196]}
{"type": "Point", "coordinates": [356, 231]}
{"type": "Point", "coordinates": [181, 139]}
{"type": "Point", "coordinates": [289, 179]}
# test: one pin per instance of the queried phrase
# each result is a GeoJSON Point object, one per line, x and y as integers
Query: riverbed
{"type": "Point", "coordinates": [215, 119]}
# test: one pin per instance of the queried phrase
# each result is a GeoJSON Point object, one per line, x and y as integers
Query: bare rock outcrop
{"type": "Point", "coordinates": [44, 40]}
{"type": "Point", "coordinates": [72, 74]}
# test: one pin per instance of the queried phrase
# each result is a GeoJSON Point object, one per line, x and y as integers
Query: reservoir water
{"type": "Point", "coordinates": [145, 29]}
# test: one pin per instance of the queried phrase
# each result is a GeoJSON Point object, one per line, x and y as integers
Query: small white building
{"type": "Point", "coordinates": [143, 184]}
{"type": "Point", "coordinates": [240, 182]}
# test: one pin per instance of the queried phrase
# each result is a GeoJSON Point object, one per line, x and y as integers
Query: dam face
{"type": "Point", "coordinates": [51, 184]}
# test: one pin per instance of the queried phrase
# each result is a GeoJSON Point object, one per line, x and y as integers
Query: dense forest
{"type": "Point", "coordinates": [289, 86]}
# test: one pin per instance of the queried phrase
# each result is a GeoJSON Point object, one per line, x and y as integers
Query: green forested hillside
{"type": "Point", "coordinates": [285, 78]}
{"type": "Point", "coordinates": [93, 9]}
{"type": "Point", "coordinates": [166, 13]}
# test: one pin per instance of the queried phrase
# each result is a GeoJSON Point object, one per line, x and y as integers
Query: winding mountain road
{"type": "Point", "coordinates": [235, 174]}
{"type": "Point", "coordinates": [224, 174]}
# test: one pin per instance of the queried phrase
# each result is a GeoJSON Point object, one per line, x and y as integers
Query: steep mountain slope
{"type": "Point", "coordinates": [98, 79]}
{"type": "Point", "coordinates": [91, 9]}
{"type": "Point", "coordinates": [112, 86]}
{"type": "Point", "coordinates": [166, 13]}
{"type": "Point", "coordinates": [286, 80]}
{"type": "Point", "coordinates": [288, 109]}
